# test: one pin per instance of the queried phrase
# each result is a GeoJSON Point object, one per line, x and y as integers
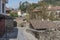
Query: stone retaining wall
{"type": "Point", "coordinates": [9, 23]}
{"type": "Point", "coordinates": [48, 35]}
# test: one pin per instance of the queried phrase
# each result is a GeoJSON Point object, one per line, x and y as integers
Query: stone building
{"type": "Point", "coordinates": [50, 10]}
{"type": "Point", "coordinates": [2, 16]}
{"type": "Point", "coordinates": [2, 6]}
{"type": "Point", "coordinates": [45, 30]}
{"type": "Point", "coordinates": [5, 20]}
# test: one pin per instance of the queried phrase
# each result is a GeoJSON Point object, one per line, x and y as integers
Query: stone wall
{"type": "Point", "coordinates": [49, 35]}
{"type": "Point", "coordinates": [9, 23]}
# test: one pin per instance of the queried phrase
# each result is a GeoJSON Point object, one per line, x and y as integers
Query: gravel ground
{"type": "Point", "coordinates": [18, 34]}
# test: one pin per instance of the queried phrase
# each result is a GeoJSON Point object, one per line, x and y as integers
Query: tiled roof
{"type": "Point", "coordinates": [53, 8]}
{"type": "Point", "coordinates": [37, 9]}
{"type": "Point", "coordinates": [38, 24]}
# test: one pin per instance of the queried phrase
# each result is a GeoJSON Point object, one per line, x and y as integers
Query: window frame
{"type": "Point", "coordinates": [3, 7]}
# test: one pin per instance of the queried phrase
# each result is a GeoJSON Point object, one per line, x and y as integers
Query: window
{"type": "Point", "coordinates": [3, 8]}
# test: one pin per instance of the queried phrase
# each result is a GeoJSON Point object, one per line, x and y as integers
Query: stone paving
{"type": "Point", "coordinates": [18, 34]}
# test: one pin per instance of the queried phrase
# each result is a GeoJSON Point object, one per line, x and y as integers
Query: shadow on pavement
{"type": "Point", "coordinates": [10, 35]}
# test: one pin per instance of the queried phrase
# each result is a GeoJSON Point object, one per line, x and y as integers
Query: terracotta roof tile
{"type": "Point", "coordinates": [53, 8]}
{"type": "Point", "coordinates": [38, 24]}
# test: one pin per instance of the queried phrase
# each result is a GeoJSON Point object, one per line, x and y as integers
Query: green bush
{"type": "Point", "coordinates": [27, 17]}
{"type": "Point", "coordinates": [14, 14]}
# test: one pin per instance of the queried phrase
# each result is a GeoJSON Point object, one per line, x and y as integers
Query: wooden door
{"type": "Point", "coordinates": [2, 26]}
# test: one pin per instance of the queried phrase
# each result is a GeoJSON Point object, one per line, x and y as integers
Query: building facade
{"type": "Point", "coordinates": [3, 6]}
{"type": "Point", "coordinates": [2, 16]}
{"type": "Point", "coordinates": [51, 10]}
{"type": "Point", "coordinates": [55, 10]}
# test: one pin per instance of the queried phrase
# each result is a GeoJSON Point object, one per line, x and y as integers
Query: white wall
{"type": "Point", "coordinates": [19, 13]}
{"type": "Point", "coordinates": [1, 8]}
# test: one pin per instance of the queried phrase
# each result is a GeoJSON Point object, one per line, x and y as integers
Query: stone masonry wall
{"type": "Point", "coordinates": [9, 25]}
{"type": "Point", "coordinates": [51, 35]}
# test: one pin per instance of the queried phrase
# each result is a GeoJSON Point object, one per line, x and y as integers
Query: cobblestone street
{"type": "Point", "coordinates": [18, 34]}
